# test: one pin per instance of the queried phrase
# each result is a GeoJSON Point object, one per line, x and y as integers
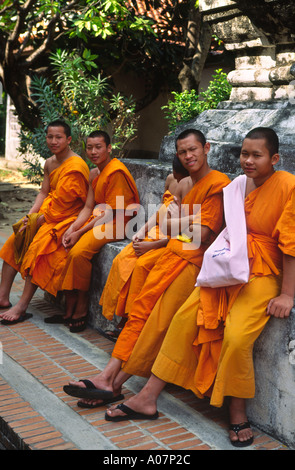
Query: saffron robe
{"type": "Point", "coordinates": [114, 180]}
{"type": "Point", "coordinates": [23, 239]}
{"type": "Point", "coordinates": [198, 353]}
{"type": "Point", "coordinates": [177, 256]}
{"type": "Point", "coordinates": [128, 272]}
{"type": "Point", "coordinates": [46, 256]}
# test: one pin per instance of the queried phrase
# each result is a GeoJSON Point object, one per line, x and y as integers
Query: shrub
{"type": "Point", "coordinates": [186, 105]}
{"type": "Point", "coordinates": [85, 101]}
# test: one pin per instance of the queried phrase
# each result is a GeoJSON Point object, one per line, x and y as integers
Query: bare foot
{"type": "Point", "coordinates": [94, 403]}
{"type": "Point", "coordinates": [14, 313]}
{"type": "Point", "coordinates": [140, 403]}
{"type": "Point", "coordinates": [100, 384]}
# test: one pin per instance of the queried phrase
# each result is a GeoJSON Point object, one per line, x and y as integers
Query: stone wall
{"type": "Point", "coordinates": [261, 36]}
{"type": "Point", "coordinates": [226, 127]}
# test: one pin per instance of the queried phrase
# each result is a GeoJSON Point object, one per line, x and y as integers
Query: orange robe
{"type": "Point", "coordinates": [128, 272]}
{"type": "Point", "coordinates": [114, 180]}
{"type": "Point", "coordinates": [175, 259]}
{"type": "Point", "coordinates": [198, 353]}
{"type": "Point", "coordinates": [46, 256]}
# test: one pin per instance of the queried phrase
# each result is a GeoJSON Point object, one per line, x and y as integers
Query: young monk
{"type": "Point", "coordinates": [90, 232]}
{"type": "Point", "coordinates": [208, 346]}
{"type": "Point", "coordinates": [173, 275]}
{"type": "Point", "coordinates": [132, 265]}
{"type": "Point", "coordinates": [62, 196]}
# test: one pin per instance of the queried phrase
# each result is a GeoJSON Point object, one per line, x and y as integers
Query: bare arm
{"type": "Point", "coordinates": [140, 235]}
{"type": "Point", "coordinates": [76, 230]}
{"type": "Point", "coordinates": [281, 306]}
{"type": "Point", "coordinates": [142, 247]}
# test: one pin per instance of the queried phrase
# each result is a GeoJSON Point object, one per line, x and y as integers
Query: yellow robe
{"type": "Point", "coordinates": [175, 259]}
{"type": "Point", "coordinates": [114, 180]}
{"type": "Point", "coordinates": [128, 272]}
{"type": "Point", "coordinates": [198, 353]}
{"type": "Point", "coordinates": [46, 256]}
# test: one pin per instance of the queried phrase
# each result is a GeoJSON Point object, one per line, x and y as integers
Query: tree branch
{"type": "Point", "coordinates": [50, 34]}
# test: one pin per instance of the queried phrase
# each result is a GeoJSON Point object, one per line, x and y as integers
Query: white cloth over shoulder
{"type": "Point", "coordinates": [226, 262]}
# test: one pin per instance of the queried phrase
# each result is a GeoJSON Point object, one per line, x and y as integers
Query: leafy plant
{"type": "Point", "coordinates": [84, 100]}
{"type": "Point", "coordinates": [187, 105]}
{"type": "Point", "coordinates": [108, 18]}
{"type": "Point", "coordinates": [125, 123]}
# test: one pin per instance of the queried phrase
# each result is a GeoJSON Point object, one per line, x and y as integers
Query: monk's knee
{"type": "Point", "coordinates": [75, 255]}
{"type": "Point", "coordinates": [235, 340]}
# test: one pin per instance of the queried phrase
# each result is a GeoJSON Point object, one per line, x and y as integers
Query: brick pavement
{"type": "Point", "coordinates": [49, 362]}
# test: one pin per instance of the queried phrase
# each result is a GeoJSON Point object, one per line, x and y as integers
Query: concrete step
{"type": "Point", "coordinates": [35, 413]}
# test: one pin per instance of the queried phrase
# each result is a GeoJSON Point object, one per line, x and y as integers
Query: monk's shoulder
{"type": "Point", "coordinates": [219, 177]}
{"type": "Point", "coordinates": [285, 177]}
{"type": "Point", "coordinates": [184, 187]}
{"type": "Point", "coordinates": [51, 164]}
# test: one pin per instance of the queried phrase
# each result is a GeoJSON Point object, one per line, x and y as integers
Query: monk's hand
{"type": "Point", "coordinates": [173, 210]}
{"type": "Point", "coordinates": [281, 306]}
{"type": "Point", "coordinates": [25, 224]}
{"type": "Point", "coordinates": [141, 247]}
{"type": "Point", "coordinates": [66, 237]}
{"type": "Point", "coordinates": [140, 235]}
{"type": "Point", "coordinates": [70, 240]}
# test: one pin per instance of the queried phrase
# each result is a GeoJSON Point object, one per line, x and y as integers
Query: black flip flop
{"type": "Point", "coordinates": [57, 319]}
{"type": "Point", "coordinates": [8, 306]}
{"type": "Point", "coordinates": [90, 392]}
{"type": "Point", "coordinates": [237, 428]}
{"type": "Point", "coordinates": [78, 325]}
{"type": "Point", "coordinates": [81, 404]}
{"type": "Point", "coordinates": [22, 318]}
{"type": "Point", "coordinates": [129, 414]}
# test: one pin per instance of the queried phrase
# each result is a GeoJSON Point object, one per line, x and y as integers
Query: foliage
{"type": "Point", "coordinates": [84, 100]}
{"type": "Point", "coordinates": [115, 30]}
{"type": "Point", "coordinates": [188, 104]}
{"type": "Point", "coordinates": [107, 18]}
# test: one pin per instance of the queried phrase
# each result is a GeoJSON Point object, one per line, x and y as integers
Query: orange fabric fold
{"type": "Point", "coordinates": [45, 256]}
{"type": "Point", "coordinates": [122, 286]}
{"type": "Point", "coordinates": [208, 193]}
{"type": "Point", "coordinates": [113, 181]}
{"type": "Point", "coordinates": [271, 231]}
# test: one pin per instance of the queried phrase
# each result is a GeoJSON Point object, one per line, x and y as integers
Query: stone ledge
{"type": "Point", "coordinates": [272, 409]}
